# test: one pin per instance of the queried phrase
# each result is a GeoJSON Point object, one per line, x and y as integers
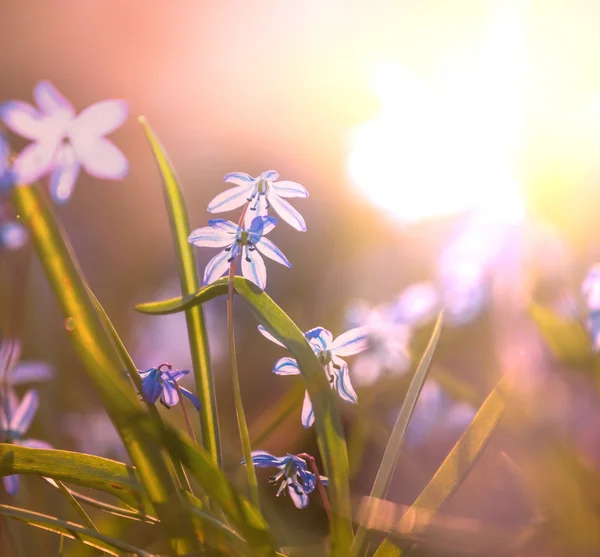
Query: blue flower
{"type": "Point", "coordinates": [293, 475]}
{"type": "Point", "coordinates": [157, 383]}
{"type": "Point", "coordinates": [14, 373]}
{"type": "Point", "coordinates": [239, 241]}
{"type": "Point", "coordinates": [328, 351]}
{"type": "Point", "coordinates": [262, 193]}
{"type": "Point", "coordinates": [13, 236]}
{"type": "Point", "coordinates": [63, 142]}
{"type": "Point", "coordinates": [590, 289]}
{"type": "Point", "coordinates": [15, 419]}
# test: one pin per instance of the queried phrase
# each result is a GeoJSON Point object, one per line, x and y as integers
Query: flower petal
{"type": "Point", "coordinates": [257, 209]}
{"type": "Point", "coordinates": [169, 395]}
{"type": "Point", "coordinates": [35, 444]}
{"type": "Point", "coordinates": [151, 387]}
{"type": "Point", "coordinates": [338, 369]}
{"type": "Point", "coordinates": [224, 225]}
{"type": "Point", "coordinates": [211, 237]}
{"type": "Point", "coordinates": [286, 366]}
{"type": "Point", "coordinates": [239, 178]}
{"type": "Point", "coordinates": [269, 336]}
{"type": "Point", "coordinates": [319, 336]}
{"type": "Point", "coordinates": [297, 493]}
{"type": "Point", "coordinates": [24, 414]}
{"type": "Point", "coordinates": [308, 415]}
{"type": "Point", "coordinates": [29, 372]}
{"type": "Point", "coordinates": [285, 188]}
{"type": "Point", "coordinates": [191, 397]}
{"type": "Point", "coordinates": [50, 100]}
{"type": "Point", "coordinates": [269, 249]}
{"type": "Point", "coordinates": [8, 406]}
{"type": "Point", "coordinates": [34, 161]}
{"type": "Point", "coordinates": [216, 267]}
{"type": "Point", "coordinates": [13, 236]}
{"type": "Point", "coordinates": [367, 368]}
{"type": "Point", "coordinates": [324, 480]}
{"type": "Point", "coordinates": [11, 484]}
{"type": "Point", "coordinates": [102, 159]}
{"type": "Point", "coordinates": [351, 342]}
{"type": "Point", "coordinates": [64, 174]}
{"type": "Point", "coordinates": [99, 119]}
{"type": "Point", "coordinates": [173, 374]}
{"type": "Point", "coordinates": [256, 227]}
{"type": "Point", "coordinates": [230, 199]}
{"type": "Point", "coordinates": [23, 119]}
{"type": "Point", "coordinates": [253, 268]}
{"type": "Point", "coordinates": [263, 459]}
{"type": "Point", "coordinates": [271, 175]}
{"type": "Point", "coordinates": [286, 211]}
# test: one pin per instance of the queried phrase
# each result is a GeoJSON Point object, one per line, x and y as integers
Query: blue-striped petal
{"type": "Point", "coordinates": [23, 416]}
{"type": "Point", "coordinates": [285, 188]}
{"type": "Point", "coordinates": [239, 178]}
{"type": "Point", "coordinates": [224, 224]}
{"type": "Point", "coordinates": [351, 342]}
{"type": "Point", "coordinates": [29, 372]}
{"type": "Point", "coordinates": [23, 119]}
{"type": "Point", "coordinates": [151, 387]}
{"type": "Point", "coordinates": [64, 174]}
{"type": "Point", "coordinates": [216, 267]}
{"type": "Point", "coordinates": [320, 337]}
{"type": "Point", "coordinates": [263, 459]}
{"type": "Point", "coordinates": [169, 395]}
{"type": "Point", "coordinates": [269, 336]}
{"type": "Point", "coordinates": [271, 175]}
{"type": "Point", "coordinates": [270, 250]}
{"type": "Point", "coordinates": [286, 211]}
{"type": "Point", "coordinates": [51, 100]}
{"type": "Point", "coordinates": [230, 199]}
{"type": "Point", "coordinates": [286, 366]}
{"type": "Point", "coordinates": [191, 397]}
{"type": "Point", "coordinates": [297, 493]}
{"type": "Point", "coordinates": [338, 369]}
{"type": "Point", "coordinates": [253, 268]}
{"type": "Point", "coordinates": [308, 415]}
{"type": "Point", "coordinates": [211, 237]}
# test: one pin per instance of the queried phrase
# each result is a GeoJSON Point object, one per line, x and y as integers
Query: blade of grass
{"type": "Point", "coordinates": [457, 465]}
{"type": "Point", "coordinates": [188, 277]}
{"type": "Point", "coordinates": [329, 429]}
{"type": "Point", "coordinates": [103, 365]}
{"type": "Point", "coordinates": [72, 531]}
{"type": "Point", "coordinates": [392, 451]}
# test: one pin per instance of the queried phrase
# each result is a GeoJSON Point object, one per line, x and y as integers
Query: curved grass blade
{"type": "Point", "coordinates": [103, 365]}
{"type": "Point", "coordinates": [330, 434]}
{"type": "Point", "coordinates": [72, 531]}
{"type": "Point", "coordinates": [457, 464]}
{"type": "Point", "coordinates": [188, 277]}
{"type": "Point", "coordinates": [392, 451]}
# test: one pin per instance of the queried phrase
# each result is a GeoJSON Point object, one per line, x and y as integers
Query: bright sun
{"type": "Point", "coordinates": [439, 150]}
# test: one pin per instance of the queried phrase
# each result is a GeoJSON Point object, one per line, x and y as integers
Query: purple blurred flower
{"type": "Point", "coordinates": [262, 193]}
{"type": "Point", "coordinates": [15, 373]}
{"type": "Point", "coordinates": [64, 141]}
{"type": "Point", "coordinates": [15, 419]}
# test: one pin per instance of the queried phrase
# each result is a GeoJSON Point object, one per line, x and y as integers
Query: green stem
{"type": "Point", "coordinates": [320, 486]}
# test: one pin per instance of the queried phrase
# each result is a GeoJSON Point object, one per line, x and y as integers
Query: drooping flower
{"type": "Point", "coordinates": [262, 192]}
{"type": "Point", "coordinates": [590, 289]}
{"type": "Point", "coordinates": [160, 384]}
{"type": "Point", "coordinates": [293, 475]}
{"type": "Point", "coordinates": [63, 142]}
{"type": "Point", "coordinates": [328, 351]}
{"type": "Point", "coordinates": [239, 240]}
{"type": "Point", "coordinates": [15, 419]}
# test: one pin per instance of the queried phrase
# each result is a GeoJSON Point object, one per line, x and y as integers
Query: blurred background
{"type": "Point", "coordinates": [449, 144]}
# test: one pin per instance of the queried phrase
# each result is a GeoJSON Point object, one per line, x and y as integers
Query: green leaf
{"type": "Point", "coordinates": [188, 277]}
{"type": "Point", "coordinates": [567, 339]}
{"type": "Point", "coordinates": [328, 423]}
{"type": "Point", "coordinates": [457, 464]}
{"type": "Point", "coordinates": [72, 531]}
{"type": "Point", "coordinates": [392, 451]}
{"type": "Point", "coordinates": [103, 365]}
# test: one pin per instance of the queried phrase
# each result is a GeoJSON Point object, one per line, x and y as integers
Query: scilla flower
{"type": "Point", "coordinates": [160, 384]}
{"type": "Point", "coordinates": [262, 193]}
{"type": "Point", "coordinates": [15, 419]}
{"type": "Point", "coordinates": [293, 475]}
{"type": "Point", "coordinates": [590, 289]}
{"type": "Point", "coordinates": [328, 351]}
{"type": "Point", "coordinates": [63, 142]}
{"type": "Point", "coordinates": [242, 241]}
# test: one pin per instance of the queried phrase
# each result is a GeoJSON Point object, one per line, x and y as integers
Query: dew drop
{"type": "Point", "coordinates": [70, 324]}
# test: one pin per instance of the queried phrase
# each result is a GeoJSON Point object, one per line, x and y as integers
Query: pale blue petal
{"type": "Point", "coordinates": [230, 199]}
{"type": "Point", "coordinates": [29, 372]}
{"type": "Point", "coordinates": [64, 174]}
{"type": "Point", "coordinates": [253, 268]}
{"type": "Point", "coordinates": [224, 224]}
{"type": "Point", "coordinates": [285, 188]}
{"type": "Point", "coordinates": [8, 406]}
{"type": "Point", "coordinates": [297, 494]}
{"type": "Point", "coordinates": [11, 484]}
{"type": "Point", "coordinates": [270, 250]}
{"type": "Point", "coordinates": [268, 224]}
{"type": "Point", "coordinates": [216, 267]}
{"type": "Point", "coordinates": [338, 369]}
{"type": "Point", "coordinates": [23, 416]}
{"type": "Point", "coordinates": [268, 335]}
{"type": "Point", "coordinates": [308, 415]}
{"type": "Point", "coordinates": [102, 159]}
{"type": "Point", "coordinates": [263, 459]}
{"type": "Point", "coordinates": [50, 100]}
{"type": "Point", "coordinates": [35, 444]}
{"type": "Point", "coordinates": [34, 161]}
{"type": "Point", "coordinates": [239, 178]}
{"type": "Point", "coordinates": [286, 366]}
{"type": "Point", "coordinates": [13, 236]}
{"type": "Point", "coordinates": [151, 387]}
{"type": "Point", "coordinates": [211, 237]}
{"type": "Point", "coordinates": [271, 175]}
{"type": "Point", "coordinates": [351, 342]}
{"type": "Point", "coordinates": [23, 119]}
{"type": "Point", "coordinates": [258, 208]}
{"type": "Point", "coordinates": [191, 397]}
{"type": "Point", "coordinates": [286, 211]}
{"type": "Point", "coordinates": [99, 119]}
{"type": "Point", "coordinates": [173, 374]}
{"type": "Point", "coordinates": [459, 416]}
{"type": "Point", "coordinates": [256, 227]}
{"type": "Point", "coordinates": [319, 336]}
{"type": "Point", "coordinates": [169, 395]}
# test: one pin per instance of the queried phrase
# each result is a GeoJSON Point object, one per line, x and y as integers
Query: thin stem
{"type": "Point", "coordinates": [320, 486]}
{"type": "Point", "coordinates": [186, 416]}
{"type": "Point", "coordinates": [237, 393]}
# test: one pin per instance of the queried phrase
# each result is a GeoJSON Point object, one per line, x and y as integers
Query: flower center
{"type": "Point", "coordinates": [324, 357]}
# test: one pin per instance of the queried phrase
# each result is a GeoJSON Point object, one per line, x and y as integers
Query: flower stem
{"type": "Point", "coordinates": [237, 393]}
{"type": "Point", "coordinates": [320, 486]}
